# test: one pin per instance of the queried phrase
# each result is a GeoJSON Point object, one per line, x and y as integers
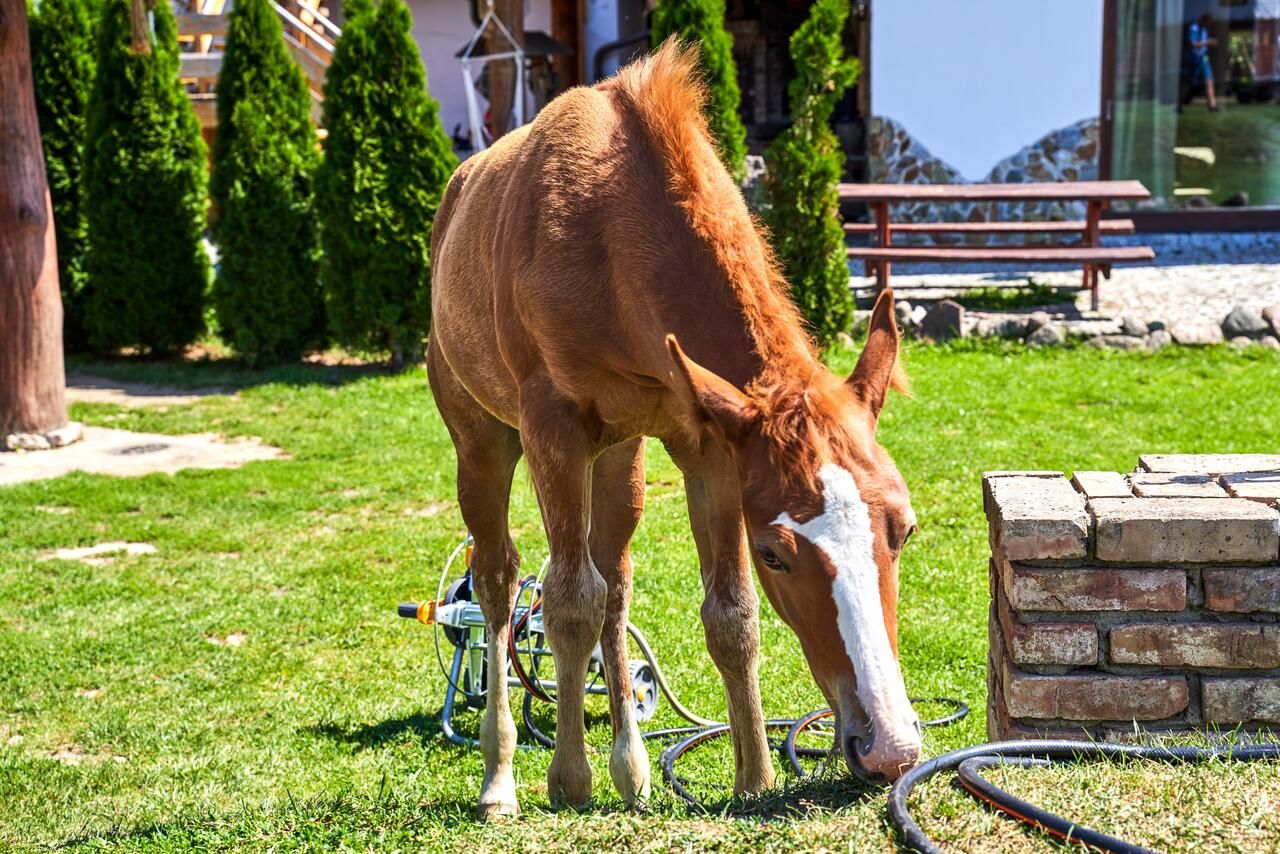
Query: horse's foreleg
{"type": "Point", "coordinates": [617, 499]}
{"type": "Point", "coordinates": [730, 607]}
{"type": "Point", "coordinates": [559, 452]}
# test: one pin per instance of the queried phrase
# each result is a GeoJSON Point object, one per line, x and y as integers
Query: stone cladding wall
{"type": "Point", "coordinates": [1127, 605]}
{"type": "Point", "coordinates": [1066, 154]}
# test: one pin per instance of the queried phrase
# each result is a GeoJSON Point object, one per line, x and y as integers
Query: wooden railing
{"type": "Point", "coordinates": [309, 36]}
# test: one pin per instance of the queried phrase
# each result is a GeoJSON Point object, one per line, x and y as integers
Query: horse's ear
{"type": "Point", "coordinates": [711, 399]}
{"type": "Point", "coordinates": [878, 369]}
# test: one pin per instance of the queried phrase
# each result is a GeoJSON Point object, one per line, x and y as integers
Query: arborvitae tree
{"type": "Point", "coordinates": [145, 185]}
{"type": "Point", "coordinates": [386, 162]}
{"type": "Point", "coordinates": [701, 22]}
{"type": "Point", "coordinates": [805, 164]}
{"type": "Point", "coordinates": [267, 294]}
{"type": "Point", "coordinates": [62, 64]}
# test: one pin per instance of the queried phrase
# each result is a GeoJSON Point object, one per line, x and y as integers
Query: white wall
{"type": "Point", "coordinates": [441, 28]}
{"type": "Point", "coordinates": [975, 81]}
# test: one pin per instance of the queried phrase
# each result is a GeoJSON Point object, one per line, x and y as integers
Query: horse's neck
{"type": "Point", "coordinates": [741, 342]}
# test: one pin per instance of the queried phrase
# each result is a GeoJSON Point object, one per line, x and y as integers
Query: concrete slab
{"type": "Point", "coordinates": [123, 453]}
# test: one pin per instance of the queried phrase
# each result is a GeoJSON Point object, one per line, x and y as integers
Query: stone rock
{"type": "Point", "coordinates": [1244, 322]}
{"type": "Point", "coordinates": [1158, 340]}
{"type": "Point", "coordinates": [1271, 314]}
{"type": "Point", "coordinates": [1157, 326]}
{"type": "Point", "coordinates": [1001, 327]}
{"type": "Point", "coordinates": [944, 321]}
{"type": "Point", "coordinates": [1133, 327]}
{"type": "Point", "coordinates": [1271, 342]}
{"type": "Point", "coordinates": [1038, 320]}
{"type": "Point", "coordinates": [1116, 342]}
{"type": "Point", "coordinates": [1240, 342]}
{"type": "Point", "coordinates": [845, 340]}
{"type": "Point", "coordinates": [68, 434]}
{"type": "Point", "coordinates": [1196, 332]}
{"type": "Point", "coordinates": [902, 311]}
{"type": "Point", "coordinates": [27, 442]}
{"type": "Point", "coordinates": [1045, 336]}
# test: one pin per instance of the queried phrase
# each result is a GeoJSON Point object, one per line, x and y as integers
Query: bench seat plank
{"type": "Point", "coordinates": [1081, 191]}
{"type": "Point", "coordinates": [1005, 254]}
{"type": "Point", "coordinates": [1106, 226]}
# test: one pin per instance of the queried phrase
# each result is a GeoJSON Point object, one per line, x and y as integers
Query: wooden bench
{"type": "Point", "coordinates": [1095, 258]}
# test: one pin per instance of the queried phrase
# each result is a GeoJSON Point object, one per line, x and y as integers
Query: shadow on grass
{"type": "Point", "coordinates": [317, 822]}
{"type": "Point", "coordinates": [427, 729]}
{"type": "Point", "coordinates": [424, 727]}
{"type": "Point", "coordinates": [222, 376]}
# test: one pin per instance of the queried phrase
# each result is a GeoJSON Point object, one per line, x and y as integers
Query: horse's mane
{"type": "Point", "coordinates": [667, 93]}
{"type": "Point", "coordinates": [793, 397]}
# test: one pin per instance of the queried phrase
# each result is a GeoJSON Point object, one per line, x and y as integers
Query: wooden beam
{"type": "Point", "coordinates": [191, 24]}
{"type": "Point", "coordinates": [206, 107]}
{"type": "Point", "coordinates": [1006, 254]}
{"type": "Point", "coordinates": [1110, 191]}
{"type": "Point", "coordinates": [200, 66]}
{"type": "Point", "coordinates": [1107, 226]}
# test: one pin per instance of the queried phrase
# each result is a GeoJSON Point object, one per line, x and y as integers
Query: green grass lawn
{"type": "Point", "coordinates": [127, 719]}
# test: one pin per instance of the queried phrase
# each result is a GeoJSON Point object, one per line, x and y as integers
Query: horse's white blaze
{"type": "Point", "coordinates": [843, 532]}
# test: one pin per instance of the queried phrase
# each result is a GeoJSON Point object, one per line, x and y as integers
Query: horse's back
{"type": "Point", "coordinates": [521, 258]}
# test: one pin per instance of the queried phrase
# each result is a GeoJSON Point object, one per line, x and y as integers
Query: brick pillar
{"type": "Point", "coordinates": [1148, 601]}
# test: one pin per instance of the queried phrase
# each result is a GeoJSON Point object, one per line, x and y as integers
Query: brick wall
{"type": "Point", "coordinates": [1150, 599]}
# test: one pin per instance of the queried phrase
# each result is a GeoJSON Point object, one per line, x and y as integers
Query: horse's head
{"type": "Point", "coordinates": [827, 514]}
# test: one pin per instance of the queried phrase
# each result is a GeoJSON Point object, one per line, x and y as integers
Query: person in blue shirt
{"type": "Point", "coordinates": [1201, 69]}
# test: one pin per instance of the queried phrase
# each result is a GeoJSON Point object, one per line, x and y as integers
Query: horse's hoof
{"type": "Point", "coordinates": [569, 785]}
{"type": "Point", "coordinates": [632, 787]}
{"type": "Point", "coordinates": [497, 810]}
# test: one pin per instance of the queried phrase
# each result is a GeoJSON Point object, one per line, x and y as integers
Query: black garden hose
{"type": "Point", "coordinates": [971, 760]}
{"type": "Point", "coordinates": [787, 746]}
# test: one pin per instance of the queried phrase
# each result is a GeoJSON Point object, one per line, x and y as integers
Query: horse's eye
{"type": "Point", "coordinates": [905, 539]}
{"type": "Point", "coordinates": [770, 559]}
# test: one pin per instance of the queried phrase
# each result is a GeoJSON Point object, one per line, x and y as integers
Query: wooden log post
{"type": "Point", "coordinates": [502, 73]}
{"type": "Point", "coordinates": [32, 382]}
{"type": "Point", "coordinates": [139, 28]}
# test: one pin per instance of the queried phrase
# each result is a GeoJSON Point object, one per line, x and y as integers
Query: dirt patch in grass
{"type": "Point", "coordinates": [86, 388]}
{"type": "Point", "coordinates": [101, 554]}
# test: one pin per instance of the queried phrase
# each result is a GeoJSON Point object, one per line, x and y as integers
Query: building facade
{"type": "Point", "coordinates": [1183, 95]}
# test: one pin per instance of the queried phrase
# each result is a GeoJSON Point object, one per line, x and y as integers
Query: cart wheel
{"type": "Point", "coordinates": [644, 690]}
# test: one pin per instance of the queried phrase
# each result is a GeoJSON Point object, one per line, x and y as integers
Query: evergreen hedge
{"type": "Point", "coordinates": [386, 162]}
{"type": "Point", "coordinates": [701, 22]}
{"type": "Point", "coordinates": [62, 66]}
{"type": "Point", "coordinates": [804, 165]}
{"type": "Point", "coordinates": [145, 180]}
{"type": "Point", "coordinates": [266, 295]}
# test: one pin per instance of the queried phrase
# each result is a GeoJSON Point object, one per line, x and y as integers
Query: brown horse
{"type": "Point", "coordinates": [568, 261]}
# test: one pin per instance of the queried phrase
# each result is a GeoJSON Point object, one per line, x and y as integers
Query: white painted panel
{"type": "Point", "coordinates": [441, 28]}
{"type": "Point", "coordinates": [976, 81]}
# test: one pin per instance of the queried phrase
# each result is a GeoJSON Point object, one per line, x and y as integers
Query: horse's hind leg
{"type": "Point", "coordinates": [617, 499]}
{"type": "Point", "coordinates": [488, 451]}
{"type": "Point", "coordinates": [559, 448]}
